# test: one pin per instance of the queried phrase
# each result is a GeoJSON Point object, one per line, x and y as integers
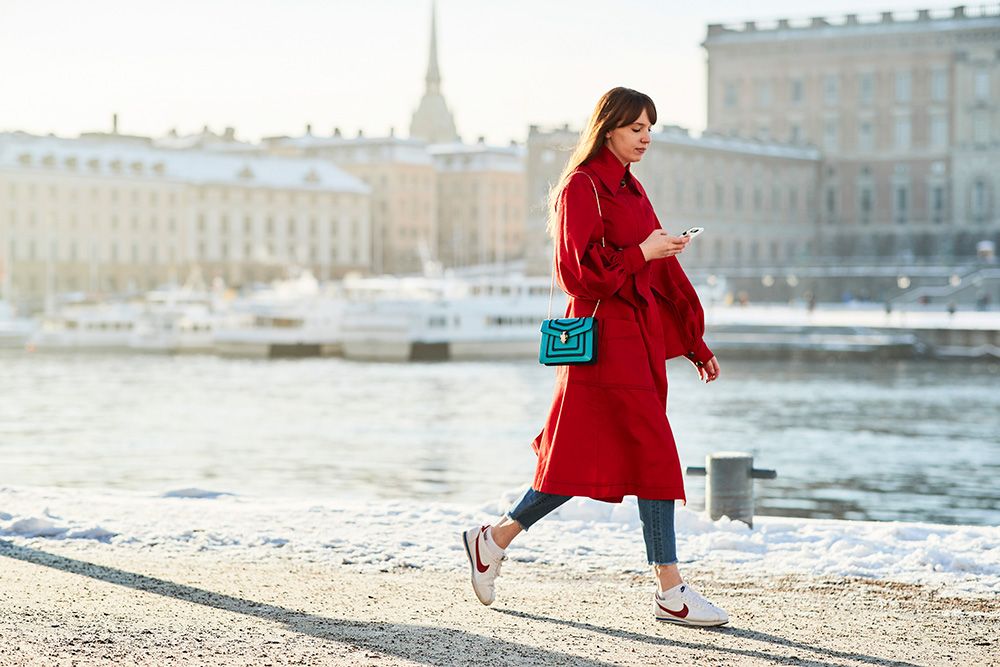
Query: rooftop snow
{"type": "Point", "coordinates": [200, 167]}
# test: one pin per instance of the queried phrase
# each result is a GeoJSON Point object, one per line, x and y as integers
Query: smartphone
{"type": "Point", "coordinates": [692, 231]}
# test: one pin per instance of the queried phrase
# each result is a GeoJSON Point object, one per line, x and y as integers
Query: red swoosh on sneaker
{"type": "Point", "coordinates": [479, 562]}
{"type": "Point", "coordinates": [679, 614]}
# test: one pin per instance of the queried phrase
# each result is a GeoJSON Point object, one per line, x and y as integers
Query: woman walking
{"type": "Point", "coordinates": [607, 434]}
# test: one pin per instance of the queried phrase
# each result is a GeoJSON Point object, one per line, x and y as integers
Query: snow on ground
{"type": "Point", "coordinates": [583, 535]}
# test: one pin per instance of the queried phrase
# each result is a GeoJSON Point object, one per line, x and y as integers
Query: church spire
{"type": "Point", "coordinates": [432, 121]}
{"type": "Point", "coordinates": [433, 73]}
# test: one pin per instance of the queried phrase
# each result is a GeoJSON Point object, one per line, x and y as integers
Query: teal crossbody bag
{"type": "Point", "coordinates": [569, 340]}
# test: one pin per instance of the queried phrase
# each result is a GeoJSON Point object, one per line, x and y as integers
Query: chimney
{"type": "Point", "coordinates": [229, 134]}
{"type": "Point", "coordinates": [851, 19]}
{"type": "Point", "coordinates": [392, 131]}
{"type": "Point", "coordinates": [750, 26]}
{"type": "Point", "coordinates": [481, 141]}
{"type": "Point", "coordinates": [924, 15]}
{"type": "Point", "coordinates": [958, 12]}
{"type": "Point", "coordinates": [715, 29]}
{"type": "Point", "coordinates": [360, 133]}
{"type": "Point", "coordinates": [114, 123]}
{"type": "Point", "coordinates": [886, 17]}
{"type": "Point", "coordinates": [309, 129]}
{"type": "Point", "coordinates": [336, 132]}
{"type": "Point", "coordinates": [818, 22]}
{"type": "Point", "coordinates": [782, 24]}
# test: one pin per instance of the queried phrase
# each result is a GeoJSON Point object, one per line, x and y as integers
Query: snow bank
{"type": "Point", "coordinates": [583, 534]}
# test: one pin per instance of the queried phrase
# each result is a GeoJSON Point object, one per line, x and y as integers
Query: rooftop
{"type": "Point", "coordinates": [106, 155]}
{"type": "Point", "coordinates": [856, 25]}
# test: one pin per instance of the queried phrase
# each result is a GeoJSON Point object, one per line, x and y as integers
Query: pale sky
{"type": "Point", "coordinates": [269, 67]}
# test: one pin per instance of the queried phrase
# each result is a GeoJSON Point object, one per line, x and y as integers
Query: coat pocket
{"type": "Point", "coordinates": [622, 358]}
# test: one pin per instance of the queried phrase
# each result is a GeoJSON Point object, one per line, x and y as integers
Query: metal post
{"type": "Point", "coordinates": [729, 485]}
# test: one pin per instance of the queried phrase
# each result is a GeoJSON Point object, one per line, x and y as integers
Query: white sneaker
{"type": "Point", "coordinates": [686, 606]}
{"type": "Point", "coordinates": [485, 558]}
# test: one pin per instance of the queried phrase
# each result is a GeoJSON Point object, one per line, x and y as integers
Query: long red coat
{"type": "Point", "coordinates": [607, 434]}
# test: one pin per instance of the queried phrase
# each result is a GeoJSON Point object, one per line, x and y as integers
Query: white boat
{"type": "Point", "coordinates": [415, 319]}
{"type": "Point", "coordinates": [177, 321]}
{"type": "Point", "coordinates": [290, 319]}
{"type": "Point", "coordinates": [14, 330]}
{"type": "Point", "coordinates": [106, 326]}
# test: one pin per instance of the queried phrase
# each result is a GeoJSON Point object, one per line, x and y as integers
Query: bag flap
{"type": "Point", "coordinates": [573, 326]}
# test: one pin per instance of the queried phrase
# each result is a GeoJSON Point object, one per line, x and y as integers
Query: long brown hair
{"type": "Point", "coordinates": [617, 108]}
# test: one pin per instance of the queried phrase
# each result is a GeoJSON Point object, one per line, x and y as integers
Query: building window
{"type": "Point", "coordinates": [719, 197]}
{"type": "Point", "coordinates": [795, 133]}
{"type": "Point", "coordinates": [764, 94]}
{"type": "Point", "coordinates": [981, 128]}
{"type": "Point", "coordinates": [729, 95]}
{"type": "Point", "coordinates": [866, 89]}
{"type": "Point", "coordinates": [981, 85]}
{"type": "Point", "coordinates": [866, 136]}
{"type": "Point", "coordinates": [937, 204]}
{"type": "Point", "coordinates": [980, 201]}
{"type": "Point", "coordinates": [830, 132]}
{"type": "Point", "coordinates": [902, 203]}
{"type": "Point", "coordinates": [831, 205]}
{"type": "Point", "coordinates": [939, 131]}
{"type": "Point", "coordinates": [831, 89]}
{"type": "Point", "coordinates": [796, 92]}
{"type": "Point", "coordinates": [738, 198]}
{"type": "Point", "coordinates": [939, 84]}
{"type": "Point", "coordinates": [904, 87]}
{"type": "Point", "coordinates": [865, 205]}
{"type": "Point", "coordinates": [903, 132]}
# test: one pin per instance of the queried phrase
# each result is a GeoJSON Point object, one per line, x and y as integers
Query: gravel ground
{"type": "Point", "coordinates": [64, 603]}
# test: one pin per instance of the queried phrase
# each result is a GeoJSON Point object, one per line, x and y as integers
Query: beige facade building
{"type": "Point", "coordinates": [481, 203]}
{"type": "Point", "coordinates": [755, 199]}
{"type": "Point", "coordinates": [401, 176]}
{"type": "Point", "coordinates": [904, 108]}
{"type": "Point", "coordinates": [111, 214]}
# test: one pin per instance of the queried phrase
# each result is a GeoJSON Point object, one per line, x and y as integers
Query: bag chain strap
{"type": "Point", "coordinates": [555, 246]}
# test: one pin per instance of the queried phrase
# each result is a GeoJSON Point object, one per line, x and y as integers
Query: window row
{"type": "Point", "coordinates": [865, 88]}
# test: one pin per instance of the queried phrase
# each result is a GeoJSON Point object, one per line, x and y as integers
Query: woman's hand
{"type": "Point", "coordinates": [709, 371]}
{"type": "Point", "coordinates": [660, 244]}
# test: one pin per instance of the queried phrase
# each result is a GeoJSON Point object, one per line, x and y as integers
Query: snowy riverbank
{"type": "Point", "coordinates": [583, 536]}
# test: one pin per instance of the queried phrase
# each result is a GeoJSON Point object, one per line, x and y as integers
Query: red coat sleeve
{"type": "Point", "coordinates": [684, 313]}
{"type": "Point", "coordinates": [587, 269]}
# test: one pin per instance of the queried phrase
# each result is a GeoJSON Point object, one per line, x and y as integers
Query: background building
{"type": "Point", "coordinates": [113, 213]}
{"type": "Point", "coordinates": [905, 113]}
{"type": "Point", "coordinates": [755, 199]}
{"type": "Point", "coordinates": [481, 216]}
{"type": "Point", "coordinates": [401, 176]}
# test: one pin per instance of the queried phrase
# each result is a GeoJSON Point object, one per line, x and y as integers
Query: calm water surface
{"type": "Point", "coordinates": [860, 440]}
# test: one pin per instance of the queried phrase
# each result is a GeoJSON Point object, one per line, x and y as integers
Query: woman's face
{"type": "Point", "coordinates": [629, 142]}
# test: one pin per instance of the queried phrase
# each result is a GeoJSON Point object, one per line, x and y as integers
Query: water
{"type": "Point", "coordinates": [906, 440]}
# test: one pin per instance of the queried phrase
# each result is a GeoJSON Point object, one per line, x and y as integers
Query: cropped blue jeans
{"type": "Point", "coordinates": [657, 518]}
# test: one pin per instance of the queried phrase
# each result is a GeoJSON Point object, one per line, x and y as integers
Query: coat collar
{"type": "Point", "coordinates": [609, 170]}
